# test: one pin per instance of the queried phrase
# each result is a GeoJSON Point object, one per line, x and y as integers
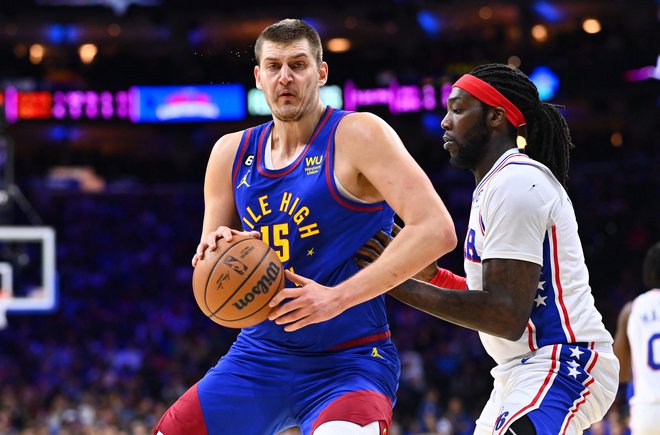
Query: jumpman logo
{"type": "Point", "coordinates": [244, 181]}
{"type": "Point", "coordinates": [374, 353]}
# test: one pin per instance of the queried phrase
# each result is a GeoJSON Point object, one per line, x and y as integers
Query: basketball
{"type": "Point", "coordinates": [234, 283]}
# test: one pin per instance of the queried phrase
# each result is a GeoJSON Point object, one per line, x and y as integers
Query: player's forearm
{"type": "Point", "coordinates": [478, 310]}
{"type": "Point", "coordinates": [407, 254]}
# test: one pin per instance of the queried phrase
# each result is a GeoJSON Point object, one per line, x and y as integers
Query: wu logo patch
{"type": "Point", "coordinates": [313, 160]}
{"type": "Point", "coordinates": [313, 164]}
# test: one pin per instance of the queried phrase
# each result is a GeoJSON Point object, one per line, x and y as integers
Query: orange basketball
{"type": "Point", "coordinates": [234, 283]}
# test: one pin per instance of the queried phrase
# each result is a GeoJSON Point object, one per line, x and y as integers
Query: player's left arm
{"type": "Point", "coordinates": [622, 344]}
{"type": "Point", "coordinates": [373, 164]}
{"type": "Point", "coordinates": [386, 171]}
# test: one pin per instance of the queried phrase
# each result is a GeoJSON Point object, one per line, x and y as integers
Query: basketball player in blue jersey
{"type": "Point", "coordinates": [529, 295]}
{"type": "Point", "coordinates": [315, 183]}
{"type": "Point", "coordinates": [637, 344]}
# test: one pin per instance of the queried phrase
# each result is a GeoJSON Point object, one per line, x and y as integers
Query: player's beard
{"type": "Point", "coordinates": [470, 150]}
{"type": "Point", "coordinates": [294, 112]}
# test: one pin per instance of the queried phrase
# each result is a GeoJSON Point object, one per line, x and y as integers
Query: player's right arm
{"type": "Point", "coordinates": [220, 215]}
{"type": "Point", "coordinates": [622, 344]}
{"type": "Point", "coordinates": [432, 273]}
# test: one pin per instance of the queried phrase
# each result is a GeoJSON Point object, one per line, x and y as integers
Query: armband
{"type": "Point", "coordinates": [447, 279]}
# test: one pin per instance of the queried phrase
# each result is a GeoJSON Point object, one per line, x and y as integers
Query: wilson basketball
{"type": "Point", "coordinates": [234, 283]}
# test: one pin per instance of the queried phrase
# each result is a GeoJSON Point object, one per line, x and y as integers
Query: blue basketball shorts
{"type": "Point", "coordinates": [254, 391]}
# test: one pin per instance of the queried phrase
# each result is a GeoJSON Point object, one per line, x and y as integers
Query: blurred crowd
{"type": "Point", "coordinates": [126, 202]}
{"type": "Point", "coordinates": [127, 338]}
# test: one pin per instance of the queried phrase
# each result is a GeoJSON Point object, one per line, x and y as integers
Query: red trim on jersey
{"type": "Point", "coordinates": [184, 416]}
{"type": "Point", "coordinates": [593, 363]}
{"type": "Point", "coordinates": [530, 335]}
{"type": "Point", "coordinates": [260, 142]}
{"type": "Point", "coordinates": [545, 386]}
{"type": "Point", "coordinates": [495, 171]}
{"type": "Point", "coordinates": [329, 175]}
{"type": "Point", "coordinates": [585, 392]}
{"type": "Point", "coordinates": [239, 158]}
{"type": "Point", "coordinates": [362, 340]}
{"type": "Point", "coordinates": [482, 227]}
{"type": "Point", "coordinates": [560, 290]}
{"type": "Point", "coordinates": [359, 407]}
{"type": "Point", "coordinates": [279, 173]}
{"type": "Point", "coordinates": [577, 404]}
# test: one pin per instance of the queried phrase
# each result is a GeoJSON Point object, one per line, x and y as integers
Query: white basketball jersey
{"type": "Point", "coordinates": [644, 337]}
{"type": "Point", "coordinates": [520, 211]}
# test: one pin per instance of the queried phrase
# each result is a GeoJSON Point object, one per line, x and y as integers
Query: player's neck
{"type": "Point", "coordinates": [287, 137]}
{"type": "Point", "coordinates": [492, 154]}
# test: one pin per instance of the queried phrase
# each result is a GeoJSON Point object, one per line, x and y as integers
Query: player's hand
{"type": "Point", "coordinates": [375, 246]}
{"type": "Point", "coordinates": [311, 303]}
{"type": "Point", "coordinates": [428, 272]}
{"type": "Point", "coordinates": [222, 232]}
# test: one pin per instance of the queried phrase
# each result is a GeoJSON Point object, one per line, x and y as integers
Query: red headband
{"type": "Point", "coordinates": [485, 93]}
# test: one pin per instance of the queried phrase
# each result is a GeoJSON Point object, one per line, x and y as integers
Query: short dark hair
{"type": "Point", "coordinates": [287, 31]}
{"type": "Point", "coordinates": [651, 267]}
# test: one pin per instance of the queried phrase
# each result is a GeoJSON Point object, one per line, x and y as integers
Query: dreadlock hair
{"type": "Point", "coordinates": [651, 267]}
{"type": "Point", "coordinates": [548, 138]}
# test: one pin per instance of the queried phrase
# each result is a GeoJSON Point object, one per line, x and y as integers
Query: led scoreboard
{"type": "Point", "coordinates": [90, 105]}
{"type": "Point", "coordinates": [65, 105]}
{"type": "Point", "coordinates": [201, 103]}
{"type": "Point", "coordinates": [139, 104]}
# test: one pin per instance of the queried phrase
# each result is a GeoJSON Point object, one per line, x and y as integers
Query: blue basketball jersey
{"type": "Point", "coordinates": [313, 228]}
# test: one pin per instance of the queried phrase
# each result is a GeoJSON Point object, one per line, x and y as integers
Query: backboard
{"type": "Point", "coordinates": [27, 268]}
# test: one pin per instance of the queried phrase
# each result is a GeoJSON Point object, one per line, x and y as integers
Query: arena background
{"type": "Point", "coordinates": [123, 193]}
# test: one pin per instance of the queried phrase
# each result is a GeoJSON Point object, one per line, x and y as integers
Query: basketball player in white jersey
{"type": "Point", "coordinates": [529, 294]}
{"type": "Point", "coordinates": [637, 345]}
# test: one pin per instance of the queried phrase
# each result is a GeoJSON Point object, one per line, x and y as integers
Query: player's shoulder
{"type": "Point", "coordinates": [514, 172]}
{"type": "Point", "coordinates": [371, 132]}
{"type": "Point", "coordinates": [647, 298]}
{"type": "Point", "coordinates": [521, 164]}
{"type": "Point", "coordinates": [360, 124]}
{"type": "Point", "coordinates": [230, 139]}
{"type": "Point", "coordinates": [520, 170]}
{"type": "Point", "coordinates": [524, 187]}
{"type": "Point", "coordinates": [228, 143]}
